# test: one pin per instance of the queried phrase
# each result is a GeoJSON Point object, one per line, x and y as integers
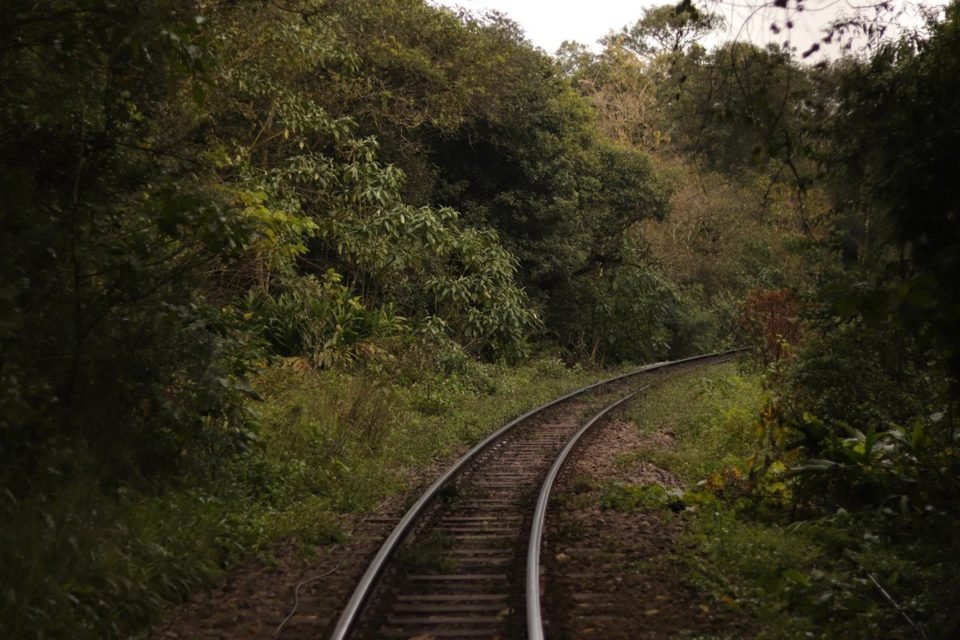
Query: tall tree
{"type": "Point", "coordinates": [111, 221]}
{"type": "Point", "coordinates": [666, 29]}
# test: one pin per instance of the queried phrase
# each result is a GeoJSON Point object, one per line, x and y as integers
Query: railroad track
{"type": "Point", "coordinates": [463, 562]}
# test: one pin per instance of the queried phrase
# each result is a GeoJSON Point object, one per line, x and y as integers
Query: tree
{"type": "Point", "coordinates": [621, 92]}
{"type": "Point", "coordinates": [362, 246]}
{"type": "Point", "coordinates": [666, 29]}
{"type": "Point", "coordinates": [869, 402]}
{"type": "Point", "coordinates": [897, 135]}
{"type": "Point", "coordinates": [485, 124]}
{"type": "Point", "coordinates": [111, 221]}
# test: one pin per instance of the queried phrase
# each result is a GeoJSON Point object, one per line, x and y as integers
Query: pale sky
{"type": "Point", "coordinates": [548, 23]}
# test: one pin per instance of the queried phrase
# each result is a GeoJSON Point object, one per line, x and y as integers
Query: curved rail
{"type": "Point", "coordinates": [364, 588]}
{"type": "Point", "coordinates": [534, 617]}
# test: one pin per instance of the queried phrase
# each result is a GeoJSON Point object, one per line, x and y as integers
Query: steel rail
{"type": "Point", "coordinates": [534, 616]}
{"type": "Point", "coordinates": [534, 611]}
{"type": "Point", "coordinates": [365, 586]}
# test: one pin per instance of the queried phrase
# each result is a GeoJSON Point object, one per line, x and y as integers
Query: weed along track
{"type": "Point", "coordinates": [456, 565]}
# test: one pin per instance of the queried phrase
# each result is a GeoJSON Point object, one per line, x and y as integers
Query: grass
{"type": "Point", "coordinates": [103, 563]}
{"type": "Point", "coordinates": [630, 498]}
{"type": "Point", "coordinates": [708, 417]}
{"type": "Point", "coordinates": [815, 578]}
{"type": "Point", "coordinates": [95, 562]}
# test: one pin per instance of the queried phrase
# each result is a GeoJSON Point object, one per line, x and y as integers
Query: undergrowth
{"type": "Point", "coordinates": [103, 562]}
{"type": "Point", "coordinates": [760, 550]}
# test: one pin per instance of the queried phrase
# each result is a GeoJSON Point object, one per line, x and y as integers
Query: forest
{"type": "Point", "coordinates": [259, 259]}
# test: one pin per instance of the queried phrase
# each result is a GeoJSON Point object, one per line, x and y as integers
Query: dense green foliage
{"type": "Point", "coordinates": [845, 172]}
{"type": "Point", "coordinates": [111, 224]}
{"type": "Point", "coordinates": [748, 542]}
{"type": "Point", "coordinates": [194, 192]}
{"type": "Point", "coordinates": [200, 198]}
{"type": "Point", "coordinates": [483, 123]}
{"type": "Point", "coordinates": [865, 411]}
{"type": "Point", "coordinates": [189, 195]}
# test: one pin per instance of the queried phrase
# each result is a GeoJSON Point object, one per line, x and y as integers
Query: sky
{"type": "Point", "coordinates": [548, 23]}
